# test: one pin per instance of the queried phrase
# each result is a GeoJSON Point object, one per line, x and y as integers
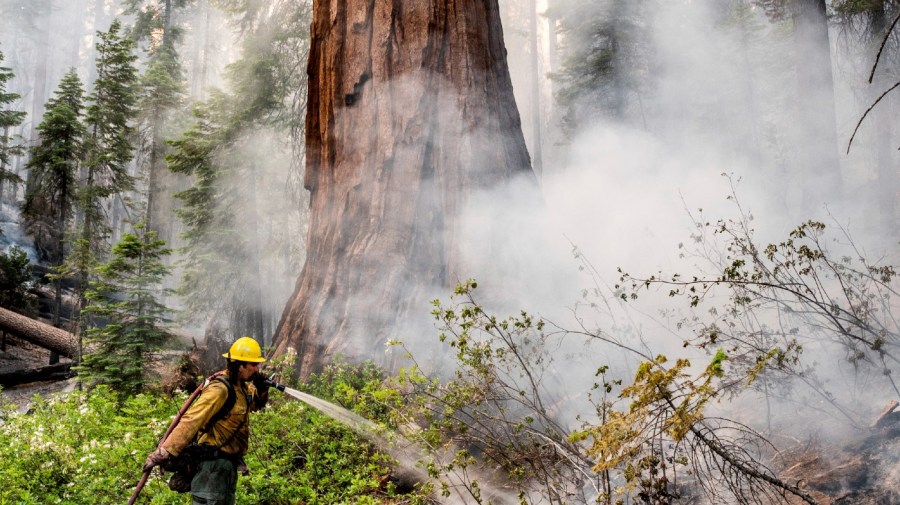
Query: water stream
{"type": "Point", "coordinates": [406, 452]}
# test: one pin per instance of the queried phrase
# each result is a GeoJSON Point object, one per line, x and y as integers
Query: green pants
{"type": "Point", "coordinates": [215, 483]}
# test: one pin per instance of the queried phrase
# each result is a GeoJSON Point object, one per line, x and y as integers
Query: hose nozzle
{"type": "Point", "coordinates": [272, 384]}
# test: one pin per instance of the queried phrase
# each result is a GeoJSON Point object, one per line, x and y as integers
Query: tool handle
{"type": "Point", "coordinates": [184, 408]}
{"type": "Point", "coordinates": [140, 485]}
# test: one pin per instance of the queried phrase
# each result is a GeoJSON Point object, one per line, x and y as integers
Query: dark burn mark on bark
{"type": "Point", "coordinates": [351, 98]}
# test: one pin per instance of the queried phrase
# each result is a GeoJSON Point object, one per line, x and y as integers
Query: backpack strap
{"type": "Point", "coordinates": [226, 407]}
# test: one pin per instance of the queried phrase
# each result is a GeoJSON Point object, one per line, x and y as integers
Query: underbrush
{"type": "Point", "coordinates": [88, 448]}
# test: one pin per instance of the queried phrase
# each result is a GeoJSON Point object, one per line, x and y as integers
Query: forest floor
{"type": "Point", "coordinates": [18, 354]}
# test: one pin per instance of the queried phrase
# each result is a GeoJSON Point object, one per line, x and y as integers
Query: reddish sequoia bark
{"type": "Point", "coordinates": [410, 109]}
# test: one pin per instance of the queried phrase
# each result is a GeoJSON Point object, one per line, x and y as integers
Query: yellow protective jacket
{"type": "Point", "coordinates": [230, 434]}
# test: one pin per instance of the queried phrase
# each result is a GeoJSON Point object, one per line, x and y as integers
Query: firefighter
{"type": "Point", "coordinates": [218, 439]}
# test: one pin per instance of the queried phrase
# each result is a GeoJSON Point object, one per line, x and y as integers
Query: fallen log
{"type": "Point", "coordinates": [52, 338]}
{"type": "Point", "coordinates": [58, 371]}
{"type": "Point", "coordinates": [39, 333]}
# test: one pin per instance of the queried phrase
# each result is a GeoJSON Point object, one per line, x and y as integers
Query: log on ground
{"type": "Point", "coordinates": [39, 333]}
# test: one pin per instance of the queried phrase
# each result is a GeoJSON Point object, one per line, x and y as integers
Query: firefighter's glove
{"type": "Point", "coordinates": [155, 459]}
{"type": "Point", "coordinates": [261, 382]}
{"type": "Point", "coordinates": [242, 467]}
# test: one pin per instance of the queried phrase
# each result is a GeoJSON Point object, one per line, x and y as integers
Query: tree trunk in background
{"type": "Point", "coordinates": [100, 22]}
{"type": "Point", "coordinates": [198, 56]}
{"type": "Point", "coordinates": [255, 323]}
{"type": "Point", "coordinates": [537, 156]}
{"type": "Point", "coordinates": [41, 56]}
{"type": "Point", "coordinates": [552, 152]}
{"type": "Point", "coordinates": [410, 109]}
{"type": "Point", "coordinates": [818, 158]}
{"type": "Point", "coordinates": [884, 141]}
{"type": "Point", "coordinates": [156, 173]}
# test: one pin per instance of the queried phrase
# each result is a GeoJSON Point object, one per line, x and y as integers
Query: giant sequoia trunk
{"type": "Point", "coordinates": [410, 109]}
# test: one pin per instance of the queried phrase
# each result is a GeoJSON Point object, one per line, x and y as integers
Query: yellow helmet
{"type": "Point", "coordinates": [245, 349]}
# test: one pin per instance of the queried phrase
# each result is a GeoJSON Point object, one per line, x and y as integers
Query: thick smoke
{"type": "Point", "coordinates": [718, 123]}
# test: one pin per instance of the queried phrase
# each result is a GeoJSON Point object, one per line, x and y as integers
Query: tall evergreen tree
{"type": "Point", "coordinates": [110, 141]}
{"type": "Point", "coordinates": [162, 90]}
{"type": "Point", "coordinates": [53, 164]}
{"type": "Point", "coordinates": [605, 58]}
{"type": "Point", "coordinates": [225, 234]}
{"type": "Point", "coordinates": [108, 149]}
{"type": "Point", "coordinates": [132, 321]}
{"type": "Point", "coordinates": [207, 282]}
{"type": "Point", "coordinates": [51, 189]}
{"type": "Point", "coordinates": [9, 119]}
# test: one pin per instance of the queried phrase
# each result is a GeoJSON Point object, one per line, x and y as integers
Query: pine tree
{"type": "Point", "coordinates": [108, 150]}
{"type": "Point", "coordinates": [124, 300]}
{"type": "Point", "coordinates": [15, 279]}
{"type": "Point", "coordinates": [162, 92]}
{"type": "Point", "coordinates": [8, 119]}
{"type": "Point", "coordinates": [51, 189]}
{"type": "Point", "coordinates": [605, 58]}
{"type": "Point", "coordinates": [53, 164]}
{"type": "Point", "coordinates": [215, 280]}
{"type": "Point", "coordinates": [109, 144]}
{"type": "Point", "coordinates": [221, 261]}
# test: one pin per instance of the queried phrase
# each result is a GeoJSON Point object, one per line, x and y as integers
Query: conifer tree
{"type": "Point", "coordinates": [221, 277]}
{"type": "Point", "coordinates": [8, 119]}
{"type": "Point", "coordinates": [605, 58]}
{"type": "Point", "coordinates": [215, 279]}
{"type": "Point", "coordinates": [124, 298]}
{"type": "Point", "coordinates": [53, 164]}
{"type": "Point", "coordinates": [108, 150]}
{"type": "Point", "coordinates": [162, 90]}
{"type": "Point", "coordinates": [15, 279]}
{"type": "Point", "coordinates": [109, 144]}
{"type": "Point", "coordinates": [51, 189]}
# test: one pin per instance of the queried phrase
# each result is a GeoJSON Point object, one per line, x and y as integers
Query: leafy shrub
{"type": "Point", "coordinates": [357, 387]}
{"type": "Point", "coordinates": [15, 279]}
{"type": "Point", "coordinates": [88, 448]}
{"type": "Point", "coordinates": [79, 448]}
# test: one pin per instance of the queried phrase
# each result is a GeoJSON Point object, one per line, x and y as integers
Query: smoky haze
{"type": "Point", "coordinates": [718, 95]}
{"type": "Point", "coordinates": [706, 115]}
{"type": "Point", "coordinates": [41, 42]}
{"type": "Point", "coordinates": [716, 118]}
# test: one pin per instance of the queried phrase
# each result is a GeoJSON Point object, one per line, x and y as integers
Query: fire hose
{"type": "Point", "coordinates": [146, 475]}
